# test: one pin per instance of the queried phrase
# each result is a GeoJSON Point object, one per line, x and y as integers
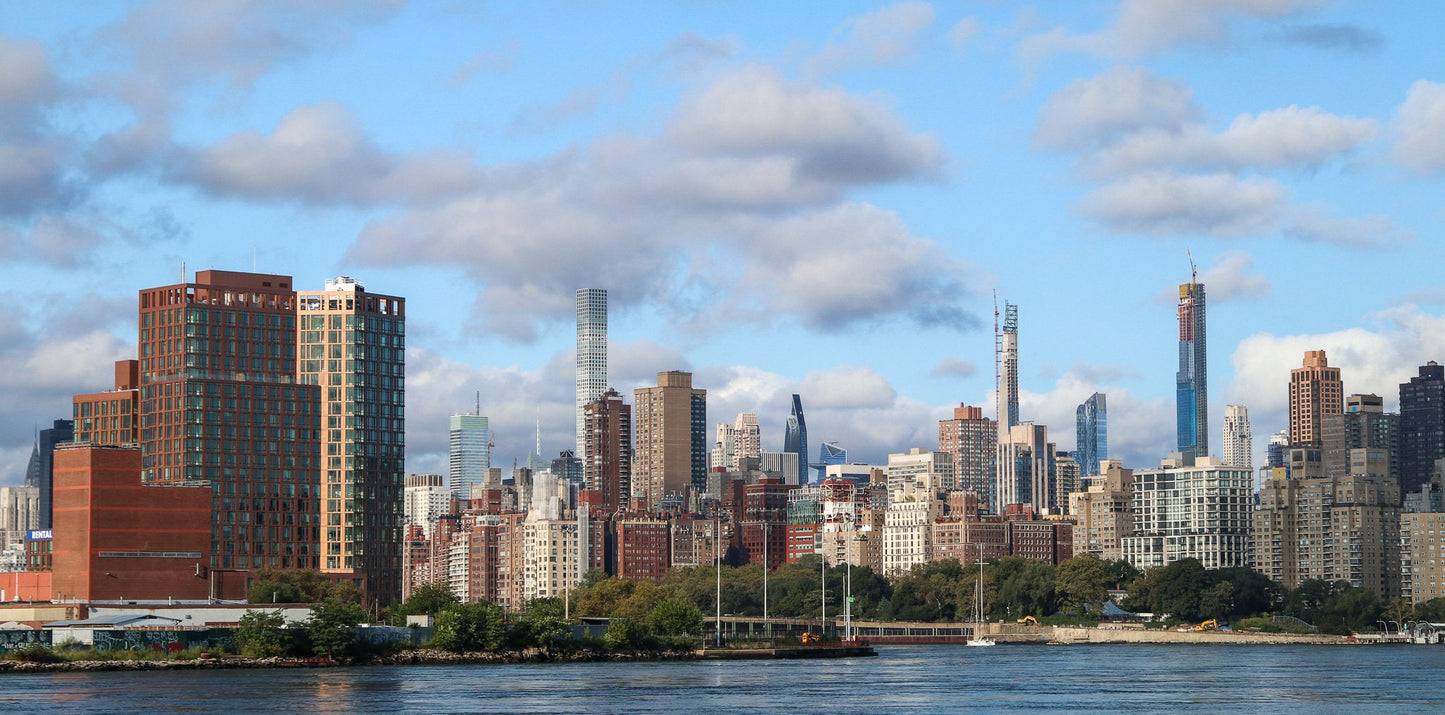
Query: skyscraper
{"type": "Point", "coordinates": [1191, 397]}
{"type": "Point", "coordinates": [795, 437]}
{"type": "Point", "coordinates": [1422, 426]}
{"type": "Point", "coordinates": [1092, 427]}
{"type": "Point", "coordinates": [1315, 390]}
{"type": "Point", "coordinates": [42, 465]}
{"type": "Point", "coordinates": [469, 439]}
{"type": "Point", "coordinates": [972, 439]}
{"type": "Point", "coordinates": [1007, 356]}
{"type": "Point", "coordinates": [669, 438]}
{"type": "Point", "coordinates": [591, 353]}
{"type": "Point", "coordinates": [1026, 469]}
{"type": "Point", "coordinates": [737, 441]}
{"type": "Point", "coordinates": [607, 464]}
{"type": "Point", "coordinates": [1363, 425]}
{"type": "Point", "coordinates": [220, 402]}
{"type": "Point", "coordinates": [352, 345]}
{"type": "Point", "coordinates": [1238, 439]}
{"type": "Point", "coordinates": [829, 454]}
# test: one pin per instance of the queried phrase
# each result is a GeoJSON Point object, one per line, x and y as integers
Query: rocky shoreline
{"type": "Point", "coordinates": [423, 656]}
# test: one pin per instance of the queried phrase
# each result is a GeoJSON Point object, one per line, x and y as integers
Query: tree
{"type": "Point", "coordinates": [429, 599]}
{"type": "Point", "coordinates": [1025, 587]}
{"type": "Point", "coordinates": [1432, 610]}
{"type": "Point", "coordinates": [1217, 601]}
{"type": "Point", "coordinates": [1306, 600]}
{"type": "Point", "coordinates": [675, 617]}
{"type": "Point", "coordinates": [298, 586]}
{"type": "Point", "coordinates": [332, 626]}
{"type": "Point", "coordinates": [470, 627]}
{"type": "Point", "coordinates": [540, 626]}
{"type": "Point", "coordinates": [1349, 609]}
{"type": "Point", "coordinates": [260, 634]}
{"type": "Point", "coordinates": [1082, 582]}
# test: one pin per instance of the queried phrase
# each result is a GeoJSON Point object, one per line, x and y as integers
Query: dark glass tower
{"type": "Point", "coordinates": [795, 437]}
{"type": "Point", "coordinates": [1192, 381]}
{"type": "Point", "coordinates": [42, 468]}
{"type": "Point", "coordinates": [1422, 426]}
{"type": "Point", "coordinates": [1092, 425]}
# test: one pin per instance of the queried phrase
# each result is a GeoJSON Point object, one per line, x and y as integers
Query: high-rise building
{"type": "Point", "coordinates": [795, 437]}
{"type": "Point", "coordinates": [829, 454]}
{"type": "Point", "coordinates": [1026, 469]}
{"type": "Point", "coordinates": [972, 439]}
{"type": "Point", "coordinates": [591, 353]}
{"type": "Point", "coordinates": [40, 473]}
{"type": "Point", "coordinates": [1092, 426]}
{"type": "Point", "coordinates": [1191, 507]}
{"type": "Point", "coordinates": [736, 442]}
{"type": "Point", "coordinates": [669, 438]}
{"type": "Point", "coordinates": [1331, 528]}
{"type": "Point", "coordinates": [1067, 480]}
{"type": "Point", "coordinates": [220, 402]}
{"type": "Point", "coordinates": [1104, 513]}
{"type": "Point", "coordinates": [1191, 397]}
{"type": "Point", "coordinates": [469, 439]}
{"type": "Point", "coordinates": [1238, 439]}
{"type": "Point", "coordinates": [1363, 425]}
{"type": "Point", "coordinates": [1315, 390]}
{"type": "Point", "coordinates": [1422, 426]}
{"type": "Point", "coordinates": [607, 464]}
{"type": "Point", "coordinates": [426, 498]}
{"type": "Point", "coordinates": [1007, 356]}
{"type": "Point", "coordinates": [352, 345]}
{"type": "Point", "coordinates": [1275, 452]}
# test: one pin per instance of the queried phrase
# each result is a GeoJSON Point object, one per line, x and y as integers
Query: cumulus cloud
{"type": "Point", "coordinates": [691, 53]}
{"type": "Point", "coordinates": [1292, 137]}
{"type": "Point", "coordinates": [1150, 27]}
{"type": "Point", "coordinates": [1374, 231]}
{"type": "Point", "coordinates": [1141, 430]}
{"type": "Point", "coordinates": [319, 154]}
{"type": "Point", "coordinates": [1420, 128]}
{"type": "Point", "coordinates": [576, 103]}
{"type": "Point", "coordinates": [1167, 204]}
{"type": "Point", "coordinates": [1371, 360]}
{"type": "Point", "coordinates": [1094, 110]}
{"type": "Point", "coordinates": [962, 32]}
{"type": "Point", "coordinates": [740, 199]}
{"type": "Point", "coordinates": [884, 36]}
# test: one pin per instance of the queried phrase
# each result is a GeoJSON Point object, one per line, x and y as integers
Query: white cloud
{"type": "Point", "coordinates": [1371, 360]}
{"type": "Point", "coordinates": [1164, 204]}
{"type": "Point", "coordinates": [1420, 127]}
{"type": "Point", "coordinates": [1230, 279]}
{"type": "Point", "coordinates": [962, 32]}
{"type": "Point", "coordinates": [1287, 138]}
{"type": "Point", "coordinates": [318, 153]}
{"type": "Point", "coordinates": [954, 367]}
{"type": "Point", "coordinates": [1111, 104]}
{"type": "Point", "coordinates": [753, 169]}
{"type": "Point", "coordinates": [1141, 430]}
{"type": "Point", "coordinates": [885, 36]}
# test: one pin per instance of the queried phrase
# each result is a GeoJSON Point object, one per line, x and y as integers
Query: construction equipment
{"type": "Point", "coordinates": [1028, 621]}
{"type": "Point", "coordinates": [1209, 625]}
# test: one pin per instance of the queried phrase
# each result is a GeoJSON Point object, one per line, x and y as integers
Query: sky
{"type": "Point", "coordinates": [821, 198]}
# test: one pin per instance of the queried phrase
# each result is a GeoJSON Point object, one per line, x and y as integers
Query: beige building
{"type": "Point", "coordinates": [351, 344]}
{"type": "Point", "coordinates": [1104, 512]}
{"type": "Point", "coordinates": [861, 547]}
{"type": "Point", "coordinates": [1331, 528]}
{"type": "Point", "coordinates": [1422, 556]}
{"type": "Point", "coordinates": [669, 431]}
{"type": "Point", "coordinates": [1315, 390]}
{"type": "Point", "coordinates": [913, 504]}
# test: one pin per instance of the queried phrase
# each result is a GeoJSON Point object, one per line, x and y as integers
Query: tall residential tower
{"type": "Point", "coordinates": [469, 439]}
{"type": "Point", "coordinates": [795, 437]}
{"type": "Point", "coordinates": [1191, 397]}
{"type": "Point", "coordinates": [591, 354]}
{"type": "Point", "coordinates": [352, 345]}
{"type": "Point", "coordinates": [1315, 390]}
{"type": "Point", "coordinates": [1092, 428]}
{"type": "Point", "coordinates": [1238, 439]}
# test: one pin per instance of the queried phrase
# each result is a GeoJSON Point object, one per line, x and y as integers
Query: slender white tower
{"type": "Point", "coordinates": [591, 353]}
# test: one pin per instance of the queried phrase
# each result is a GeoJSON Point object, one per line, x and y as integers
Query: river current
{"type": "Point", "coordinates": [946, 678]}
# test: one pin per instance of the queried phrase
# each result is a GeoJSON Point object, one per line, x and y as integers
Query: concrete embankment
{"type": "Point", "coordinates": [1133, 635]}
{"type": "Point", "coordinates": [823, 651]}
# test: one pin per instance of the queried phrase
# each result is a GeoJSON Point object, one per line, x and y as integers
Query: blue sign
{"type": "Point", "coordinates": [40, 534]}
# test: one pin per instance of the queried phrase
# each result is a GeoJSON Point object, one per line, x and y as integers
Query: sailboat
{"type": "Point", "coordinates": [978, 639]}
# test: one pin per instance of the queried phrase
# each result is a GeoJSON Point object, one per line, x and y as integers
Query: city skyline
{"type": "Point", "coordinates": [817, 201]}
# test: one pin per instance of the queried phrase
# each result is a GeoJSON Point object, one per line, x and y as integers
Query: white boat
{"type": "Point", "coordinates": [978, 639]}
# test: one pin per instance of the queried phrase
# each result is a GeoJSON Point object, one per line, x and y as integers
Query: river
{"type": "Point", "coordinates": [945, 678]}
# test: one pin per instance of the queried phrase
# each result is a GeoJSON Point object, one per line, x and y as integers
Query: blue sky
{"type": "Point", "coordinates": [814, 198]}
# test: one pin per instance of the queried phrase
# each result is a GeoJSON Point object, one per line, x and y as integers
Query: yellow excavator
{"type": "Point", "coordinates": [1209, 625]}
{"type": "Point", "coordinates": [1028, 621]}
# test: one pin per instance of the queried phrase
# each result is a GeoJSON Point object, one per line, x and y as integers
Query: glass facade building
{"type": "Point", "coordinates": [469, 450]}
{"type": "Point", "coordinates": [1092, 428]}
{"type": "Point", "coordinates": [591, 354]}
{"type": "Point", "coordinates": [1192, 381]}
{"type": "Point", "coordinates": [795, 437]}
